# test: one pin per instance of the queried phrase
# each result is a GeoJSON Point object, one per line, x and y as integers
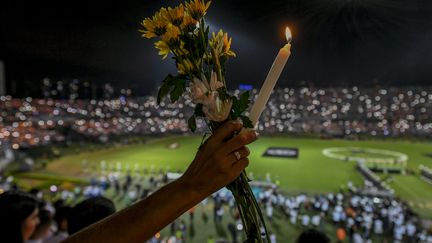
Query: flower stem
{"type": "Point", "coordinates": [249, 210]}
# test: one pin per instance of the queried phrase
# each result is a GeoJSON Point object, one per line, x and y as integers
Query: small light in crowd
{"type": "Point", "coordinates": [239, 227]}
{"type": "Point", "coordinates": [53, 188]}
{"type": "Point", "coordinates": [15, 146]}
{"type": "Point", "coordinates": [376, 200]}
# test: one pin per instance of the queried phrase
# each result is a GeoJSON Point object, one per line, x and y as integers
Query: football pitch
{"type": "Point", "coordinates": [311, 172]}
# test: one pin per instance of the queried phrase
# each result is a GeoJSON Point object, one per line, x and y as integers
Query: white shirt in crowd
{"type": "Point", "coordinates": [398, 232]}
{"type": "Point", "coordinates": [316, 220]}
{"type": "Point", "coordinates": [339, 197]}
{"type": "Point", "coordinates": [272, 238]}
{"type": "Point", "coordinates": [269, 210]}
{"type": "Point", "coordinates": [337, 214]}
{"type": "Point", "coordinates": [305, 220]}
{"type": "Point", "coordinates": [350, 222]}
{"type": "Point", "coordinates": [325, 206]}
{"type": "Point", "coordinates": [293, 217]}
{"type": "Point", "coordinates": [357, 238]}
{"type": "Point", "coordinates": [378, 226]}
{"type": "Point", "coordinates": [410, 229]}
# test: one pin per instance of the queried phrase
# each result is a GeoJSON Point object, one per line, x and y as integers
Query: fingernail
{"type": "Point", "coordinates": [256, 133]}
{"type": "Point", "coordinates": [237, 122]}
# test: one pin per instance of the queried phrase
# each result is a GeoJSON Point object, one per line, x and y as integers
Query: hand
{"type": "Point", "coordinates": [220, 160]}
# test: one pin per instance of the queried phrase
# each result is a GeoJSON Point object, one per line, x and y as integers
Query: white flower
{"type": "Point", "coordinates": [205, 93]}
{"type": "Point", "coordinates": [199, 91]}
{"type": "Point", "coordinates": [216, 109]}
{"type": "Point", "coordinates": [214, 82]}
{"type": "Point", "coordinates": [202, 88]}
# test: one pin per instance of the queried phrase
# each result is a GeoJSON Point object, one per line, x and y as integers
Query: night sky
{"type": "Point", "coordinates": [336, 42]}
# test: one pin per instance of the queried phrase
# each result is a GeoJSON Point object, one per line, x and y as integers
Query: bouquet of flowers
{"type": "Point", "coordinates": [200, 59]}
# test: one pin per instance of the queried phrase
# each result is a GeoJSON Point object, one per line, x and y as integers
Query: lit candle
{"type": "Point", "coordinates": [270, 81]}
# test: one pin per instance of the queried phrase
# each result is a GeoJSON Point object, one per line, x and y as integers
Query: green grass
{"type": "Point", "coordinates": [311, 173]}
{"type": "Point", "coordinates": [56, 178]}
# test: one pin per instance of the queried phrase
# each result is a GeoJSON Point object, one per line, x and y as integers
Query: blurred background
{"type": "Point", "coordinates": [345, 143]}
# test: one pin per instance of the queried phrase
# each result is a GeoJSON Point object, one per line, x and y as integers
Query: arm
{"type": "Point", "coordinates": [214, 166]}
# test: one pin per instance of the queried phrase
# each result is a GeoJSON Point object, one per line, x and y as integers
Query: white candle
{"type": "Point", "coordinates": [270, 81]}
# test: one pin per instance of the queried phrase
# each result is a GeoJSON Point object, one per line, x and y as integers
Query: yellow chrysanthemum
{"type": "Point", "coordinates": [216, 42]}
{"type": "Point", "coordinates": [227, 46]}
{"type": "Point", "coordinates": [163, 48]}
{"type": "Point", "coordinates": [185, 66]}
{"type": "Point", "coordinates": [197, 8]}
{"type": "Point", "coordinates": [188, 23]}
{"type": "Point", "coordinates": [182, 50]}
{"type": "Point", "coordinates": [155, 26]}
{"type": "Point", "coordinates": [171, 36]}
{"type": "Point", "coordinates": [175, 15]}
{"type": "Point", "coordinates": [162, 13]}
{"type": "Point", "coordinates": [169, 41]}
{"type": "Point", "coordinates": [221, 44]}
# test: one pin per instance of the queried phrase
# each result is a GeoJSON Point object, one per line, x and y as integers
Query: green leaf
{"type": "Point", "coordinates": [246, 122]}
{"type": "Point", "coordinates": [244, 101]}
{"type": "Point", "coordinates": [206, 33]}
{"type": "Point", "coordinates": [223, 94]}
{"type": "Point", "coordinates": [240, 105]}
{"type": "Point", "coordinates": [192, 123]}
{"type": "Point", "coordinates": [222, 61]}
{"type": "Point", "coordinates": [175, 86]}
{"type": "Point", "coordinates": [165, 88]}
{"type": "Point", "coordinates": [178, 90]}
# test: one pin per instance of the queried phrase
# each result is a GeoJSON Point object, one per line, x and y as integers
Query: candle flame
{"type": "Point", "coordinates": [288, 34]}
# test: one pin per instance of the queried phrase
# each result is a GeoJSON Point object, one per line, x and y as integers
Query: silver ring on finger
{"type": "Point", "coordinates": [237, 155]}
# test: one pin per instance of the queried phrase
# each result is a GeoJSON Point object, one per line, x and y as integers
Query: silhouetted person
{"type": "Point", "coordinates": [312, 235]}
{"type": "Point", "coordinates": [60, 217]}
{"type": "Point", "coordinates": [18, 216]}
{"type": "Point", "coordinates": [43, 229]}
{"type": "Point", "coordinates": [233, 230]}
{"type": "Point", "coordinates": [88, 212]}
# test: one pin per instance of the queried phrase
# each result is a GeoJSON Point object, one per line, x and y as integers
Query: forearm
{"type": "Point", "coordinates": [215, 165]}
{"type": "Point", "coordinates": [142, 220]}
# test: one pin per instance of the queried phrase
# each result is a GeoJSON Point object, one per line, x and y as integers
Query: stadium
{"type": "Point", "coordinates": [352, 162]}
{"type": "Point", "coordinates": [148, 143]}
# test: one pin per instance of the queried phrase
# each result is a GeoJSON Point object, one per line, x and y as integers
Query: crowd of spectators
{"type": "Point", "coordinates": [31, 122]}
{"type": "Point", "coordinates": [357, 217]}
{"type": "Point", "coordinates": [354, 216]}
{"type": "Point", "coordinates": [334, 112]}
{"type": "Point", "coordinates": [349, 111]}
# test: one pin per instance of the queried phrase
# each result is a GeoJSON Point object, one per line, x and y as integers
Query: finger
{"type": "Point", "coordinates": [239, 166]}
{"type": "Point", "coordinates": [235, 143]}
{"type": "Point", "coordinates": [226, 131]}
{"type": "Point", "coordinates": [238, 155]}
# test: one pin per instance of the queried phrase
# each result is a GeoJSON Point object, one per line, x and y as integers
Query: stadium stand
{"type": "Point", "coordinates": [331, 112]}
